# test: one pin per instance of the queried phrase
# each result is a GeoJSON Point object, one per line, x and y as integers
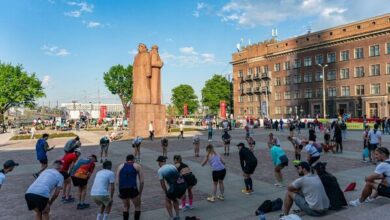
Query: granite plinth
{"type": "Point", "coordinates": [140, 117]}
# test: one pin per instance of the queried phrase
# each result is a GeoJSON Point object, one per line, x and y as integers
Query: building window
{"type": "Point", "coordinates": [251, 110]}
{"type": "Point", "coordinates": [388, 47]}
{"type": "Point", "coordinates": [265, 69]}
{"type": "Point", "coordinates": [345, 91]}
{"type": "Point", "coordinates": [308, 93]}
{"type": "Point", "coordinates": [277, 67]}
{"type": "Point", "coordinates": [278, 110]}
{"type": "Point", "coordinates": [256, 98]}
{"type": "Point", "coordinates": [318, 76]}
{"type": "Point", "coordinates": [331, 57]}
{"type": "Point", "coordinates": [297, 63]}
{"type": "Point", "coordinates": [297, 94]}
{"type": "Point", "coordinates": [332, 92]}
{"type": "Point", "coordinates": [240, 73]}
{"type": "Point", "coordinates": [359, 53]}
{"type": "Point", "coordinates": [277, 96]}
{"type": "Point", "coordinates": [287, 95]}
{"type": "Point", "coordinates": [286, 80]}
{"type": "Point", "coordinates": [258, 70]}
{"type": "Point", "coordinates": [308, 77]}
{"type": "Point", "coordinates": [375, 89]}
{"type": "Point", "coordinates": [319, 59]}
{"type": "Point", "coordinates": [278, 81]}
{"type": "Point", "coordinates": [359, 90]}
{"type": "Point", "coordinates": [241, 99]}
{"type": "Point", "coordinates": [319, 92]}
{"type": "Point", "coordinates": [375, 70]}
{"type": "Point", "coordinates": [258, 110]}
{"type": "Point", "coordinates": [242, 111]}
{"type": "Point", "coordinates": [331, 75]}
{"type": "Point", "coordinates": [307, 61]}
{"type": "Point", "coordinates": [359, 71]}
{"type": "Point", "coordinates": [388, 88]}
{"type": "Point", "coordinates": [344, 73]}
{"type": "Point", "coordinates": [287, 65]}
{"type": "Point", "coordinates": [374, 50]}
{"type": "Point", "coordinates": [388, 68]}
{"type": "Point", "coordinates": [344, 55]}
{"type": "Point", "coordinates": [297, 79]}
{"type": "Point", "coordinates": [250, 71]}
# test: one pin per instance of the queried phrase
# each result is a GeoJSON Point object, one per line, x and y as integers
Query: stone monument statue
{"type": "Point", "coordinates": [141, 76]}
{"type": "Point", "coordinates": [146, 104]}
{"type": "Point", "coordinates": [155, 83]}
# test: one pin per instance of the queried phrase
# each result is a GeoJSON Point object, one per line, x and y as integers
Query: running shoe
{"type": "Point", "coordinates": [221, 197]}
{"type": "Point", "coordinates": [355, 203]}
{"type": "Point", "coordinates": [68, 200]}
{"type": "Point", "coordinates": [211, 199]}
{"type": "Point", "coordinates": [370, 199]}
{"type": "Point", "coordinates": [79, 206]}
{"type": "Point", "coordinates": [278, 185]}
{"type": "Point", "coordinates": [245, 191]}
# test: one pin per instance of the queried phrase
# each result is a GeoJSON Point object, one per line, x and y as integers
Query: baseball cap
{"type": "Point", "coordinates": [161, 159]}
{"type": "Point", "coordinates": [10, 163]}
{"type": "Point", "coordinates": [240, 145]}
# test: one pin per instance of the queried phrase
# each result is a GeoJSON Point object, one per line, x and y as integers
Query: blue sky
{"type": "Point", "coordinates": [70, 44]}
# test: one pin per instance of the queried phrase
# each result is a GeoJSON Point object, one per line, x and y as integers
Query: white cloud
{"type": "Point", "coordinates": [82, 7]}
{"type": "Point", "coordinates": [188, 50]}
{"type": "Point", "coordinates": [55, 51]}
{"type": "Point", "coordinates": [319, 13]}
{"type": "Point", "coordinates": [203, 8]}
{"type": "Point", "coordinates": [46, 80]}
{"type": "Point", "coordinates": [93, 24]}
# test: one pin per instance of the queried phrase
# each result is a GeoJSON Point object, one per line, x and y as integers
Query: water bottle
{"type": "Point", "coordinates": [262, 216]}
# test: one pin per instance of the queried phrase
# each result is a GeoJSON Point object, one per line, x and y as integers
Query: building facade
{"type": "Point", "coordinates": [284, 78]}
{"type": "Point", "coordinates": [112, 109]}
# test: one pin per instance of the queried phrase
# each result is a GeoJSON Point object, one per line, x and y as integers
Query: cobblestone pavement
{"type": "Point", "coordinates": [346, 166]}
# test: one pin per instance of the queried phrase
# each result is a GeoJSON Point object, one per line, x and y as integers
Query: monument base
{"type": "Point", "coordinates": [140, 117]}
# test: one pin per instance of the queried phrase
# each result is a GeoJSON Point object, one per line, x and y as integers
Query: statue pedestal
{"type": "Point", "coordinates": [140, 117]}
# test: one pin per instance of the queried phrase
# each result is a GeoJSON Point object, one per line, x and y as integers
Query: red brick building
{"type": "Point", "coordinates": [284, 79]}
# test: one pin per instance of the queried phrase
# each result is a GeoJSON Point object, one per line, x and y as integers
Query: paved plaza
{"type": "Point", "coordinates": [237, 206]}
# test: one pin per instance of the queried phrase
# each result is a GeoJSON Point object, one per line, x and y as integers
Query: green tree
{"type": "Point", "coordinates": [216, 89]}
{"type": "Point", "coordinates": [184, 94]}
{"type": "Point", "coordinates": [119, 80]}
{"type": "Point", "coordinates": [17, 88]}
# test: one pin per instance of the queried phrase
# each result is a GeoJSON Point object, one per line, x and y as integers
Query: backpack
{"type": "Point", "coordinates": [318, 147]}
{"type": "Point", "coordinates": [265, 207]}
{"type": "Point", "coordinates": [277, 204]}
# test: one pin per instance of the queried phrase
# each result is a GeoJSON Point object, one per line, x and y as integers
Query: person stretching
{"type": "Point", "coordinates": [280, 161]}
{"type": "Point", "coordinates": [190, 179]}
{"type": "Point", "coordinates": [248, 163]}
{"type": "Point", "coordinates": [226, 138]}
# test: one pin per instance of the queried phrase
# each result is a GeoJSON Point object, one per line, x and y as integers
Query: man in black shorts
{"type": "Point", "coordinates": [248, 163]}
{"type": "Point", "coordinates": [127, 174]}
{"type": "Point", "coordinates": [38, 194]}
{"type": "Point", "coordinates": [104, 144]}
{"type": "Point", "coordinates": [177, 186]}
{"type": "Point", "coordinates": [41, 148]}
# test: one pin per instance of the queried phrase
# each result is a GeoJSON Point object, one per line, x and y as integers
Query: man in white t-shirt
{"type": "Point", "coordinates": [38, 194]}
{"type": "Point", "coordinates": [307, 192]}
{"type": "Point", "coordinates": [181, 128]}
{"type": "Point", "coordinates": [104, 180]}
{"type": "Point", "coordinates": [8, 166]}
{"type": "Point", "coordinates": [382, 173]}
{"type": "Point", "coordinates": [374, 141]}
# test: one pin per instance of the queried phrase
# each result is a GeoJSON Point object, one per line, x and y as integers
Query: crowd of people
{"type": "Point", "coordinates": [315, 191]}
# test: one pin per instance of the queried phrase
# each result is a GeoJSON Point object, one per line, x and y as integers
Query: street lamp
{"type": "Point", "coordinates": [323, 87]}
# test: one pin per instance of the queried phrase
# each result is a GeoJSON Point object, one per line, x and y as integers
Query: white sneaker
{"type": "Point", "coordinates": [355, 203]}
{"type": "Point", "coordinates": [369, 199]}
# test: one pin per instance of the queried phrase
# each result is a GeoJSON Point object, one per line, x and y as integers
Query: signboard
{"type": "Point", "coordinates": [95, 114]}
{"type": "Point", "coordinates": [185, 110]}
{"type": "Point", "coordinates": [103, 111]}
{"type": "Point", "coordinates": [222, 109]}
{"type": "Point", "coordinates": [74, 114]}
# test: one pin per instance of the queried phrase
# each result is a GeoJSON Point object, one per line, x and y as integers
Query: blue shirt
{"type": "Point", "coordinates": [276, 153]}
{"type": "Point", "coordinates": [40, 149]}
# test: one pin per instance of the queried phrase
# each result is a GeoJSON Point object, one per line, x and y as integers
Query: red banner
{"type": "Point", "coordinates": [103, 111]}
{"type": "Point", "coordinates": [185, 110]}
{"type": "Point", "coordinates": [222, 109]}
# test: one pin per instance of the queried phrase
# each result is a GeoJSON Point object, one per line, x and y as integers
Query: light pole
{"type": "Point", "coordinates": [323, 87]}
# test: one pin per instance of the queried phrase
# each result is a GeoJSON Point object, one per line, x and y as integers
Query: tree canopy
{"type": "Point", "coordinates": [216, 89]}
{"type": "Point", "coordinates": [184, 94]}
{"type": "Point", "coordinates": [18, 88]}
{"type": "Point", "coordinates": [119, 80]}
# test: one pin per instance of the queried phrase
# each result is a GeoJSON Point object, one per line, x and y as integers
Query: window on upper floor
{"type": "Point", "coordinates": [331, 57]}
{"type": "Point", "coordinates": [359, 71]}
{"type": "Point", "coordinates": [258, 70]}
{"type": "Point", "coordinates": [388, 47]}
{"type": "Point", "coordinates": [359, 54]}
{"type": "Point", "coordinates": [344, 55]}
{"type": "Point", "coordinates": [308, 77]}
{"type": "Point", "coordinates": [331, 75]}
{"type": "Point", "coordinates": [344, 73]}
{"type": "Point", "coordinates": [359, 89]}
{"type": "Point", "coordinates": [375, 70]}
{"type": "Point", "coordinates": [250, 71]}
{"type": "Point", "coordinates": [287, 95]}
{"type": "Point", "coordinates": [374, 50]}
{"type": "Point", "coordinates": [240, 73]}
{"type": "Point", "coordinates": [308, 93]}
{"type": "Point", "coordinates": [319, 59]}
{"type": "Point", "coordinates": [278, 110]}
{"type": "Point", "coordinates": [388, 88]}
{"type": "Point", "coordinates": [240, 98]}
{"type": "Point", "coordinates": [388, 68]}
{"type": "Point", "coordinates": [286, 65]}
{"type": "Point", "coordinates": [307, 61]}
{"type": "Point", "coordinates": [277, 96]}
{"type": "Point", "coordinates": [297, 94]}
{"type": "Point", "coordinates": [345, 91]}
{"type": "Point", "coordinates": [319, 92]}
{"type": "Point", "coordinates": [318, 76]}
{"type": "Point", "coordinates": [375, 89]}
{"type": "Point", "coordinates": [297, 63]}
{"type": "Point", "coordinates": [277, 67]}
{"type": "Point", "coordinates": [278, 81]}
{"type": "Point", "coordinates": [332, 92]}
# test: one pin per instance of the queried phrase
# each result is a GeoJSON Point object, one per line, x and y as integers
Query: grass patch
{"type": "Point", "coordinates": [37, 136]}
{"type": "Point", "coordinates": [186, 129]}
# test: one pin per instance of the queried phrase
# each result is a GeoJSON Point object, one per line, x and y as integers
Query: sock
{"type": "Point", "coordinates": [126, 215]}
{"type": "Point", "coordinates": [190, 201]}
{"type": "Point", "coordinates": [183, 202]}
{"type": "Point", "coordinates": [105, 216]}
{"type": "Point", "coordinates": [246, 184]}
{"type": "Point", "coordinates": [99, 216]}
{"type": "Point", "coordinates": [250, 183]}
{"type": "Point", "coordinates": [137, 215]}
